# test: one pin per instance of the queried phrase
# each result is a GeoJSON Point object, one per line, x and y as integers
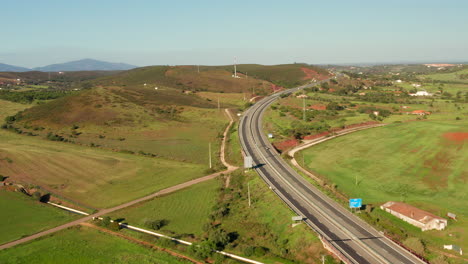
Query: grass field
{"type": "Point", "coordinates": [186, 211]}
{"type": "Point", "coordinates": [94, 177]}
{"type": "Point", "coordinates": [24, 216]}
{"type": "Point", "coordinates": [448, 77]}
{"type": "Point", "coordinates": [84, 245]}
{"type": "Point", "coordinates": [8, 108]}
{"type": "Point", "coordinates": [415, 162]}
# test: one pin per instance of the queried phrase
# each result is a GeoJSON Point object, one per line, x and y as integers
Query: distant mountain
{"type": "Point", "coordinates": [12, 68]}
{"type": "Point", "coordinates": [86, 65]}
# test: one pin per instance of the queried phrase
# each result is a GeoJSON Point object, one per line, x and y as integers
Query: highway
{"type": "Point", "coordinates": [355, 240]}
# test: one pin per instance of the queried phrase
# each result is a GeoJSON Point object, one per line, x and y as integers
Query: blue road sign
{"type": "Point", "coordinates": [355, 203]}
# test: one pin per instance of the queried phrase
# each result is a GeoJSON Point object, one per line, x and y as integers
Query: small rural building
{"type": "Point", "coordinates": [415, 216]}
{"type": "Point", "coordinates": [302, 96]}
{"type": "Point", "coordinates": [420, 93]}
{"type": "Point", "coordinates": [420, 112]}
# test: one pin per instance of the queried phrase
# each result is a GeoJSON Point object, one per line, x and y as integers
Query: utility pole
{"type": "Point", "coordinates": [209, 153]}
{"type": "Point", "coordinates": [218, 102]}
{"type": "Point", "coordinates": [248, 192]}
{"type": "Point", "coordinates": [303, 108]}
{"type": "Point", "coordinates": [198, 68]}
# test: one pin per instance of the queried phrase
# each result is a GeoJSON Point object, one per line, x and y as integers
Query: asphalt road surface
{"type": "Point", "coordinates": [353, 238]}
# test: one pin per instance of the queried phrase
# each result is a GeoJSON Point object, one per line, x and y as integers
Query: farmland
{"type": "Point", "coordinates": [24, 216]}
{"type": "Point", "coordinates": [185, 211]}
{"type": "Point", "coordinates": [455, 76]}
{"type": "Point", "coordinates": [84, 245]}
{"type": "Point", "coordinates": [89, 175]}
{"type": "Point", "coordinates": [421, 163]}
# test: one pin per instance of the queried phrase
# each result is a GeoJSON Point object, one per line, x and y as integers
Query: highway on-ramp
{"type": "Point", "coordinates": [353, 239]}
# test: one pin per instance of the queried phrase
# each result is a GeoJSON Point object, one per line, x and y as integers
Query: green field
{"type": "Point", "coordinates": [90, 176]}
{"type": "Point", "coordinates": [84, 245]}
{"type": "Point", "coordinates": [24, 216]}
{"type": "Point", "coordinates": [449, 77]}
{"type": "Point", "coordinates": [8, 108]}
{"type": "Point", "coordinates": [413, 162]}
{"type": "Point", "coordinates": [186, 210]}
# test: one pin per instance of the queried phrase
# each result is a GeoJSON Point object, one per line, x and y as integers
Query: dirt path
{"type": "Point", "coordinates": [141, 242]}
{"type": "Point", "coordinates": [229, 167]}
{"type": "Point", "coordinates": [102, 212]}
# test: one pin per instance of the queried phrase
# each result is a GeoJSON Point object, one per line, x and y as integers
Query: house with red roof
{"type": "Point", "coordinates": [415, 216]}
{"type": "Point", "coordinates": [420, 112]}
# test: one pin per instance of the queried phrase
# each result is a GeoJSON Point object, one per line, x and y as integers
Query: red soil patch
{"type": "Point", "coordinates": [276, 88]}
{"type": "Point", "coordinates": [457, 136]}
{"type": "Point", "coordinates": [284, 145]}
{"type": "Point", "coordinates": [317, 135]}
{"type": "Point", "coordinates": [319, 107]}
{"type": "Point", "coordinates": [311, 74]}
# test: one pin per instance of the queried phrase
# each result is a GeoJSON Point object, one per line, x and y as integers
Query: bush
{"type": "Point", "coordinates": [202, 250]}
{"type": "Point", "coordinates": [260, 251]}
{"type": "Point", "coordinates": [156, 224]}
{"type": "Point", "coordinates": [105, 221]}
{"type": "Point", "coordinates": [37, 196]}
{"type": "Point", "coordinates": [114, 226]}
{"type": "Point", "coordinates": [249, 251]}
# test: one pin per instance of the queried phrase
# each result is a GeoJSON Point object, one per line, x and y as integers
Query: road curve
{"type": "Point", "coordinates": [356, 241]}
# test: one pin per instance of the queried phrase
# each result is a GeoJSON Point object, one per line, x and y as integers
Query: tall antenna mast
{"type": "Point", "coordinates": [235, 67]}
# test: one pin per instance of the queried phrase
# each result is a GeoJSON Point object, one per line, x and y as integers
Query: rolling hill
{"type": "Point", "coordinates": [12, 68]}
{"type": "Point", "coordinates": [167, 111]}
{"type": "Point", "coordinates": [85, 65]}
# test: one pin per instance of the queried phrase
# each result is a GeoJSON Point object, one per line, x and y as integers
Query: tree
{"type": "Point", "coordinates": [203, 250]}
{"type": "Point", "coordinates": [106, 221]}
{"type": "Point", "coordinates": [219, 237]}
{"type": "Point", "coordinates": [156, 224]}
{"type": "Point", "coordinates": [114, 226]}
{"type": "Point", "coordinates": [37, 195]}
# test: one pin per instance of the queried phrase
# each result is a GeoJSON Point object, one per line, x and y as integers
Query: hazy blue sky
{"type": "Point", "coordinates": [35, 33]}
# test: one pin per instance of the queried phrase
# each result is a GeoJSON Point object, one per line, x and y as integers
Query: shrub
{"type": "Point", "coordinates": [114, 226]}
{"type": "Point", "coordinates": [37, 196]}
{"type": "Point", "coordinates": [156, 224]}
{"type": "Point", "coordinates": [105, 221]}
{"type": "Point", "coordinates": [249, 251]}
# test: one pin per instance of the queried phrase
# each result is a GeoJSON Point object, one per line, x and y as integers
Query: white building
{"type": "Point", "coordinates": [415, 216]}
{"type": "Point", "coordinates": [421, 93]}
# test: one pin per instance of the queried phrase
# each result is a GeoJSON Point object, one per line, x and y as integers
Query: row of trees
{"type": "Point", "coordinates": [30, 96]}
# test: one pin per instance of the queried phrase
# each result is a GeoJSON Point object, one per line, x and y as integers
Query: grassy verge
{"type": "Point", "coordinates": [84, 245]}
{"type": "Point", "coordinates": [24, 216]}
